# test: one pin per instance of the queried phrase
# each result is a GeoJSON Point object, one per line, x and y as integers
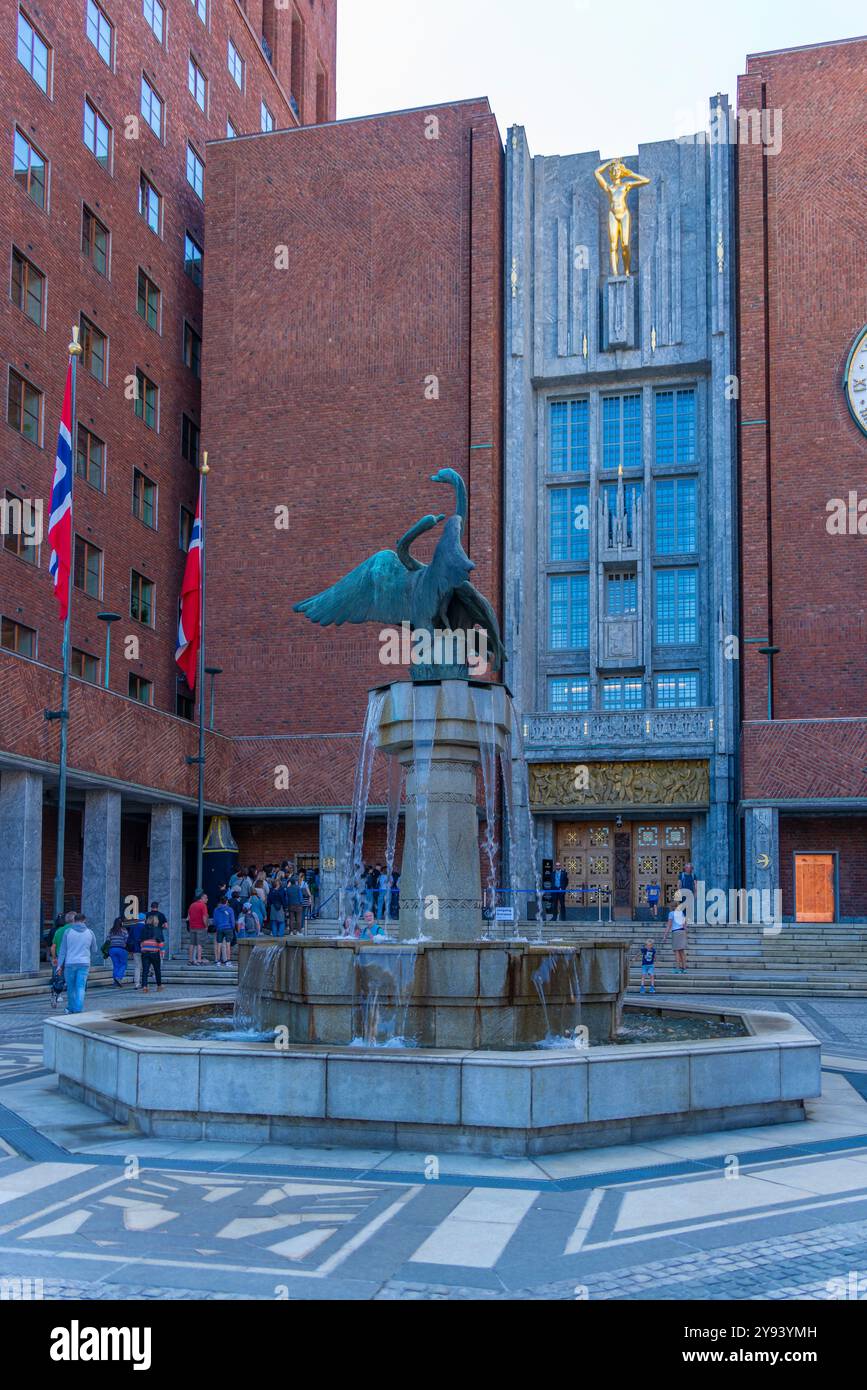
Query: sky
{"type": "Point", "coordinates": [578, 74]}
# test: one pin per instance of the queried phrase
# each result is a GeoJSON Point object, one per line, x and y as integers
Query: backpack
{"type": "Point", "coordinates": [105, 948]}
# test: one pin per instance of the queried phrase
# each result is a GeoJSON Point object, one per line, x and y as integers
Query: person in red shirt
{"type": "Point", "coordinates": [197, 922]}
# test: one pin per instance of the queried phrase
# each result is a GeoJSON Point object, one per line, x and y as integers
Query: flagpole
{"type": "Point", "coordinates": [200, 823]}
{"type": "Point", "coordinates": [59, 886]}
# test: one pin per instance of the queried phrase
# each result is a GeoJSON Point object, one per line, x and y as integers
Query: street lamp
{"type": "Point", "coordinates": [108, 619]}
{"type": "Point", "coordinates": [770, 653]}
{"type": "Point", "coordinates": [213, 672]}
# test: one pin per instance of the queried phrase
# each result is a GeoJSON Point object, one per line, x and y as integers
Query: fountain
{"type": "Point", "coordinates": [446, 1039]}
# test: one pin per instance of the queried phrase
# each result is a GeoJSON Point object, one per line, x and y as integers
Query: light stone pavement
{"type": "Point", "coordinates": [89, 1209]}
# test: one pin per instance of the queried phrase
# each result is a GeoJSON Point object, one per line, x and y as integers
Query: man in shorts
{"type": "Point", "coordinates": [197, 925]}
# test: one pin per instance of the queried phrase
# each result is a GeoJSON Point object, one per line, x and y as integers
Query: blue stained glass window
{"type": "Point", "coordinates": [569, 437]}
{"type": "Point", "coordinates": [677, 690]}
{"type": "Point", "coordinates": [675, 426]}
{"type": "Point", "coordinates": [568, 611]}
{"type": "Point", "coordinates": [569, 523]}
{"type": "Point", "coordinates": [623, 693]}
{"type": "Point", "coordinates": [567, 694]}
{"type": "Point", "coordinates": [621, 431]}
{"type": "Point", "coordinates": [676, 607]}
{"type": "Point", "coordinates": [675, 516]}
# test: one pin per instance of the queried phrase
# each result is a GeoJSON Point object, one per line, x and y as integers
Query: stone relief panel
{"type": "Point", "coordinates": [664, 783]}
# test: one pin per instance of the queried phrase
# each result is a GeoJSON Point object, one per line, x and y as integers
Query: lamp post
{"type": "Point", "coordinates": [770, 653]}
{"type": "Point", "coordinates": [108, 619]}
{"type": "Point", "coordinates": [213, 672]}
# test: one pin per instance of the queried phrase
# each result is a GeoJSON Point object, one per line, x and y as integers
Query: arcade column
{"type": "Point", "coordinates": [165, 876]}
{"type": "Point", "coordinates": [100, 882]}
{"type": "Point", "coordinates": [20, 871]}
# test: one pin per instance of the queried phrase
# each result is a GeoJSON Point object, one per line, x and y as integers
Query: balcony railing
{"type": "Point", "coordinates": [625, 728]}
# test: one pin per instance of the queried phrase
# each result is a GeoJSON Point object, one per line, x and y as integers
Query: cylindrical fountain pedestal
{"type": "Point", "coordinates": [436, 730]}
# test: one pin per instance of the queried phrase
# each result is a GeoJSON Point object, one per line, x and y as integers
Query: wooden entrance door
{"type": "Point", "coordinates": [661, 851]}
{"type": "Point", "coordinates": [814, 888]}
{"type": "Point", "coordinates": [586, 851]}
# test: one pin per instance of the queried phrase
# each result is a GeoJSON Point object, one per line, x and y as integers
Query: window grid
{"type": "Point", "coordinates": [28, 287]}
{"type": "Point", "coordinates": [155, 15]}
{"type": "Point", "coordinates": [675, 426]}
{"type": "Point", "coordinates": [94, 241]}
{"type": "Point", "coordinates": [569, 436]}
{"type": "Point", "coordinates": [141, 599]}
{"type": "Point", "coordinates": [30, 170]}
{"type": "Point", "coordinates": [197, 84]}
{"type": "Point", "coordinates": [266, 119]}
{"type": "Point", "coordinates": [568, 523]}
{"type": "Point", "coordinates": [148, 301]}
{"type": "Point", "coordinates": [195, 172]}
{"type": "Point", "coordinates": [185, 528]}
{"type": "Point", "coordinates": [236, 66]}
{"type": "Point", "coordinates": [146, 400]}
{"type": "Point", "coordinates": [201, 9]}
{"type": "Point", "coordinates": [621, 432]}
{"type": "Point", "coordinates": [140, 689]}
{"type": "Point", "coordinates": [190, 440]}
{"type": "Point", "coordinates": [150, 204]}
{"type": "Point", "coordinates": [144, 499]}
{"type": "Point", "coordinates": [97, 135]}
{"type": "Point", "coordinates": [24, 408]}
{"type": "Point", "coordinates": [94, 349]}
{"type": "Point", "coordinates": [193, 259]}
{"type": "Point", "coordinates": [676, 607]}
{"type": "Point", "coordinates": [87, 568]}
{"type": "Point", "coordinates": [152, 107]}
{"type": "Point", "coordinates": [33, 52]}
{"type": "Point", "coordinates": [676, 516]}
{"type": "Point", "coordinates": [192, 349]}
{"type": "Point", "coordinates": [677, 690]}
{"type": "Point", "coordinates": [623, 693]}
{"type": "Point", "coordinates": [99, 30]}
{"type": "Point", "coordinates": [568, 612]}
{"type": "Point", "coordinates": [84, 666]}
{"type": "Point", "coordinates": [15, 637]}
{"type": "Point", "coordinates": [90, 458]}
{"type": "Point", "coordinates": [622, 594]}
{"type": "Point", "coordinates": [15, 539]}
{"type": "Point", "coordinates": [568, 694]}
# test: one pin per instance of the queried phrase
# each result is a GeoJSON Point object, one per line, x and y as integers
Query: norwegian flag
{"type": "Point", "coordinates": [60, 518]}
{"type": "Point", "coordinates": [190, 621]}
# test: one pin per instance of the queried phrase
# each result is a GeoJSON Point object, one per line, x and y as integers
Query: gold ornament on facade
{"type": "Point", "coordinates": [647, 783]}
{"type": "Point", "coordinates": [617, 187]}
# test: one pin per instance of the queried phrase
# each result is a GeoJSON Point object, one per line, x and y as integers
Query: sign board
{"type": "Point", "coordinates": [505, 914]}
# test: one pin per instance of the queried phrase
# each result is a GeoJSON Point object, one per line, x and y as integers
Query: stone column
{"type": "Point", "coordinates": [20, 871]}
{"type": "Point", "coordinates": [333, 845]}
{"type": "Point", "coordinates": [762, 851]}
{"type": "Point", "coordinates": [165, 875]}
{"type": "Point", "coordinates": [100, 884]}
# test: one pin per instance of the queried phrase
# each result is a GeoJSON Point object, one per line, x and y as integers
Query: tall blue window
{"type": "Point", "coordinates": [621, 595]}
{"type": "Point", "coordinates": [631, 494]}
{"type": "Point", "coordinates": [621, 431]}
{"type": "Point", "coordinates": [568, 611]}
{"type": "Point", "coordinates": [676, 607]}
{"type": "Point", "coordinates": [567, 694]}
{"type": "Point", "coordinates": [623, 693]}
{"type": "Point", "coordinates": [569, 523]}
{"type": "Point", "coordinates": [675, 426]}
{"type": "Point", "coordinates": [675, 516]}
{"type": "Point", "coordinates": [569, 437]}
{"type": "Point", "coordinates": [677, 690]}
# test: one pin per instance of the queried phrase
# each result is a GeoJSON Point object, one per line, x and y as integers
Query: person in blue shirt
{"type": "Point", "coordinates": [648, 965]}
{"type": "Point", "coordinates": [653, 898]}
{"type": "Point", "coordinates": [224, 922]}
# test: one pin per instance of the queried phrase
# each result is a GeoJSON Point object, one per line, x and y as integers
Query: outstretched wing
{"type": "Point", "coordinates": [468, 608]}
{"type": "Point", "coordinates": [376, 591]}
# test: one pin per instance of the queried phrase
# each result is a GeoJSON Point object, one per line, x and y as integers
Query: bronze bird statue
{"type": "Point", "coordinates": [393, 587]}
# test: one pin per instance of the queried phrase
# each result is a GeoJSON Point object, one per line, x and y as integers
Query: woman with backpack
{"type": "Point", "coordinates": [152, 942]}
{"type": "Point", "coordinates": [115, 948]}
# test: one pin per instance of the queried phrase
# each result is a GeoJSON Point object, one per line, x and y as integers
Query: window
{"type": "Point", "coordinates": [24, 408]}
{"type": "Point", "coordinates": [141, 599]}
{"type": "Point", "coordinates": [141, 689]}
{"type": "Point", "coordinates": [623, 693]}
{"type": "Point", "coordinates": [87, 567]}
{"type": "Point", "coordinates": [197, 83]}
{"type": "Point", "coordinates": [185, 528]}
{"type": "Point", "coordinates": [85, 666]}
{"type": "Point", "coordinates": [94, 241]}
{"type": "Point", "coordinates": [675, 516]}
{"type": "Point", "coordinates": [569, 437]}
{"type": "Point", "coordinates": [155, 15]}
{"type": "Point", "coordinates": [231, 132]}
{"type": "Point", "coordinates": [677, 690]}
{"type": "Point", "coordinates": [19, 526]}
{"type": "Point", "coordinates": [90, 459]}
{"type": "Point", "coordinates": [631, 493]}
{"type": "Point", "coordinates": [195, 172]}
{"type": "Point", "coordinates": [190, 440]}
{"type": "Point", "coordinates": [193, 259]}
{"type": "Point", "coordinates": [144, 499]}
{"type": "Point", "coordinates": [185, 704]}
{"type": "Point", "coordinates": [94, 349]}
{"type": "Point", "coordinates": [621, 431]}
{"type": "Point", "coordinates": [146, 399]}
{"type": "Point", "coordinates": [97, 135]}
{"type": "Point", "coordinates": [567, 694]}
{"type": "Point", "coordinates": [621, 595]}
{"type": "Point", "coordinates": [568, 611]}
{"type": "Point", "coordinates": [201, 9]}
{"type": "Point", "coordinates": [675, 426]}
{"type": "Point", "coordinates": [152, 107]}
{"type": "Point", "coordinates": [148, 301]}
{"type": "Point", "coordinates": [265, 117]}
{"type": "Point", "coordinates": [150, 204]}
{"type": "Point", "coordinates": [99, 30]}
{"type": "Point", "coordinates": [30, 170]}
{"type": "Point", "coordinates": [15, 637]}
{"type": "Point", "coordinates": [236, 66]}
{"type": "Point", "coordinates": [676, 606]}
{"type": "Point", "coordinates": [33, 52]}
{"type": "Point", "coordinates": [192, 349]}
{"type": "Point", "coordinates": [568, 523]}
{"type": "Point", "coordinates": [28, 287]}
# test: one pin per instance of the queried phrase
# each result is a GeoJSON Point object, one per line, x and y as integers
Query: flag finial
{"type": "Point", "coordinates": [204, 468]}
{"type": "Point", "coordinates": [74, 348]}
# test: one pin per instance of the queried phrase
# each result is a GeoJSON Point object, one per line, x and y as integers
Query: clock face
{"type": "Point", "coordinates": [855, 381]}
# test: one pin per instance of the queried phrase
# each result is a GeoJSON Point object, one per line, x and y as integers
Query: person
{"type": "Point", "coordinates": [197, 926]}
{"type": "Point", "coordinates": [59, 933]}
{"type": "Point", "coordinates": [559, 884]}
{"type": "Point", "coordinates": [117, 951]}
{"type": "Point", "coordinates": [348, 928]}
{"type": "Point", "coordinates": [258, 909]}
{"type": "Point", "coordinates": [277, 910]}
{"type": "Point", "coordinates": [152, 942]}
{"type": "Point", "coordinates": [135, 932]}
{"type": "Point", "coordinates": [224, 921]}
{"type": "Point", "coordinates": [295, 906]}
{"type": "Point", "coordinates": [687, 885]}
{"type": "Point", "coordinates": [653, 898]}
{"type": "Point", "coordinates": [371, 883]}
{"type": "Point", "coordinates": [306, 898]}
{"type": "Point", "coordinates": [248, 922]}
{"type": "Point", "coordinates": [366, 931]}
{"type": "Point", "coordinates": [648, 957]}
{"type": "Point", "coordinates": [394, 910]}
{"type": "Point", "coordinates": [73, 958]}
{"type": "Point", "coordinates": [161, 920]}
{"type": "Point", "coordinates": [382, 895]}
{"type": "Point", "coordinates": [677, 926]}
{"type": "Point", "coordinates": [315, 888]}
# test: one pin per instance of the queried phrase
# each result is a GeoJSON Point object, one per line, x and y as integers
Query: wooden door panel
{"type": "Point", "coordinates": [814, 888]}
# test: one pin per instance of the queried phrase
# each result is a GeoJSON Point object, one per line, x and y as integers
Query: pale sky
{"type": "Point", "coordinates": [579, 74]}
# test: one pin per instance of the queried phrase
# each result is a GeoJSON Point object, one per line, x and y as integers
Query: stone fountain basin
{"type": "Point", "coordinates": [467, 995]}
{"type": "Point", "coordinates": [439, 1100]}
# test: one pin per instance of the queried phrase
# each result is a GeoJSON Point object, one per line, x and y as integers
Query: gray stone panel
{"type": "Point", "coordinates": [20, 871]}
{"type": "Point", "coordinates": [100, 886]}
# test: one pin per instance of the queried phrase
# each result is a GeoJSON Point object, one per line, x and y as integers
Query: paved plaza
{"type": "Point", "coordinates": [95, 1211]}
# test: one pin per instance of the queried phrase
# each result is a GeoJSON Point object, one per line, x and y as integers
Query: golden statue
{"type": "Point", "coordinates": [619, 217]}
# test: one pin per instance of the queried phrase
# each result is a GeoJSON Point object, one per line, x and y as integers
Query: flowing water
{"type": "Point", "coordinates": [424, 704]}
{"type": "Point", "coordinates": [483, 705]}
{"type": "Point", "coordinates": [353, 875]}
{"type": "Point", "coordinates": [257, 980]}
{"type": "Point", "coordinates": [383, 993]}
{"type": "Point", "coordinates": [556, 982]}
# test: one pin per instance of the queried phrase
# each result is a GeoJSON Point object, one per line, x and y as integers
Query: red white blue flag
{"type": "Point", "coordinates": [60, 517]}
{"type": "Point", "coordinates": [190, 621]}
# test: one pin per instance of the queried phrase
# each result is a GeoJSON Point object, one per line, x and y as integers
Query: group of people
{"type": "Point", "coordinates": [271, 901]}
{"type": "Point", "coordinates": [141, 940]}
{"type": "Point", "coordinates": [381, 893]}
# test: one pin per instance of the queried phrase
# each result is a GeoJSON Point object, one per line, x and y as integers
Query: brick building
{"type": "Point", "coordinates": [107, 109]}
{"type": "Point", "coordinates": [803, 310]}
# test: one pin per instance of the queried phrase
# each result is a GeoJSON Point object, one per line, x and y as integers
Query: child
{"type": "Point", "coordinates": [648, 958]}
{"type": "Point", "coordinates": [653, 898]}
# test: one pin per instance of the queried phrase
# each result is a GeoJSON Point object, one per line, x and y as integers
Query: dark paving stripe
{"type": "Point", "coordinates": [28, 1141]}
{"type": "Point", "coordinates": [25, 1075]}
